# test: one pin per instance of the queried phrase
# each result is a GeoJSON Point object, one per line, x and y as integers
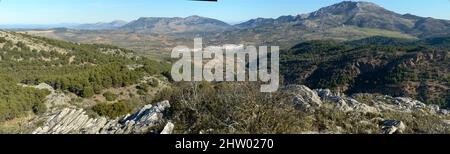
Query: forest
{"type": "Point", "coordinates": [398, 67]}
{"type": "Point", "coordinates": [82, 69]}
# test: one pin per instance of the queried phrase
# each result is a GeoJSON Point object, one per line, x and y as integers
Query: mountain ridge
{"type": "Point", "coordinates": [101, 25]}
{"type": "Point", "coordinates": [341, 22]}
{"type": "Point", "coordinates": [360, 14]}
{"type": "Point", "coordinates": [176, 24]}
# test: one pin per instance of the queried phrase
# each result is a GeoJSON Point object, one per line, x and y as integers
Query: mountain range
{"type": "Point", "coordinates": [343, 21]}
{"type": "Point", "coordinates": [341, 15]}
{"type": "Point", "coordinates": [359, 14]}
{"type": "Point", "coordinates": [101, 25]}
{"type": "Point", "coordinates": [177, 25]}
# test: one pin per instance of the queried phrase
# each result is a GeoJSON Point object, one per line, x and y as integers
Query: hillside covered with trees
{"type": "Point", "coordinates": [81, 69]}
{"type": "Point", "coordinates": [414, 68]}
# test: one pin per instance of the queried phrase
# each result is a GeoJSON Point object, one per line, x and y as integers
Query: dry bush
{"type": "Point", "coordinates": [239, 108]}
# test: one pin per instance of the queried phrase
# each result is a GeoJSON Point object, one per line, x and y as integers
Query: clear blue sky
{"type": "Point", "coordinates": [89, 11]}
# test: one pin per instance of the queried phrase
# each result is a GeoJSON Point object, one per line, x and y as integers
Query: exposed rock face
{"type": "Point", "coordinates": [393, 127]}
{"type": "Point", "coordinates": [303, 97]}
{"type": "Point", "coordinates": [344, 103]}
{"type": "Point", "coordinates": [168, 129]}
{"type": "Point", "coordinates": [341, 104]}
{"type": "Point", "coordinates": [75, 121]}
{"type": "Point", "coordinates": [309, 100]}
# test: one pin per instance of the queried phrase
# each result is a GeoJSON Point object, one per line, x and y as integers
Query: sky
{"type": "Point", "coordinates": [231, 11]}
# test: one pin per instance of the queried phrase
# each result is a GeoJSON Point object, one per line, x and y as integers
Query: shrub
{"type": "Point", "coordinates": [39, 108]}
{"type": "Point", "coordinates": [17, 101]}
{"type": "Point", "coordinates": [240, 108]}
{"type": "Point", "coordinates": [109, 96]}
{"type": "Point", "coordinates": [112, 110]}
{"type": "Point", "coordinates": [87, 92]}
{"type": "Point", "coordinates": [2, 40]}
{"type": "Point", "coordinates": [142, 89]}
{"type": "Point", "coordinates": [164, 94]}
{"type": "Point", "coordinates": [153, 82]}
{"type": "Point", "coordinates": [235, 108]}
{"type": "Point", "coordinates": [97, 89]}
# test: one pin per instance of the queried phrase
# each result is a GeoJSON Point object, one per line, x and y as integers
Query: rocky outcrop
{"type": "Point", "coordinates": [393, 127]}
{"type": "Point", "coordinates": [168, 129]}
{"type": "Point", "coordinates": [303, 98]}
{"type": "Point", "coordinates": [309, 100]}
{"type": "Point", "coordinates": [344, 103]}
{"type": "Point", "coordinates": [152, 118]}
{"type": "Point", "coordinates": [76, 121]}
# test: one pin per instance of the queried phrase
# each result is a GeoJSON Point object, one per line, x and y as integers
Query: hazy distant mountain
{"type": "Point", "coordinates": [36, 26]}
{"type": "Point", "coordinates": [177, 25]}
{"type": "Point", "coordinates": [102, 25]}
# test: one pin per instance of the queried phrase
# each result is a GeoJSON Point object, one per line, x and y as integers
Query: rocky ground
{"type": "Point", "coordinates": [72, 120]}
{"type": "Point", "coordinates": [64, 118]}
{"type": "Point", "coordinates": [310, 101]}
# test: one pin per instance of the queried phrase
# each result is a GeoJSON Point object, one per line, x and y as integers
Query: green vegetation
{"type": "Point", "coordinates": [399, 75]}
{"type": "Point", "coordinates": [397, 67]}
{"type": "Point", "coordinates": [82, 69]}
{"type": "Point", "coordinates": [17, 101]}
{"type": "Point", "coordinates": [230, 108]}
{"type": "Point", "coordinates": [142, 89]}
{"type": "Point", "coordinates": [114, 110]}
{"type": "Point", "coordinates": [370, 32]}
{"type": "Point", "coordinates": [109, 96]}
{"type": "Point", "coordinates": [2, 40]}
{"type": "Point", "coordinates": [153, 82]}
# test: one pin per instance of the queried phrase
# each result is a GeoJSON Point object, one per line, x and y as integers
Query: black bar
{"type": "Point", "coordinates": [166, 143]}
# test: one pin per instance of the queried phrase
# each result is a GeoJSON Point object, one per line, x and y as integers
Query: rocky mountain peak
{"type": "Point", "coordinates": [347, 7]}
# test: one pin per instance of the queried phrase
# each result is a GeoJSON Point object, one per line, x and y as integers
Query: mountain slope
{"type": "Point", "coordinates": [176, 25]}
{"type": "Point", "coordinates": [82, 70]}
{"type": "Point", "coordinates": [360, 14]}
{"type": "Point", "coordinates": [418, 69]}
{"type": "Point", "coordinates": [342, 21]}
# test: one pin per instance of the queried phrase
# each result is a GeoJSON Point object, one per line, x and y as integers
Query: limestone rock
{"type": "Point", "coordinates": [408, 103]}
{"type": "Point", "coordinates": [393, 127]}
{"type": "Point", "coordinates": [303, 97]}
{"type": "Point", "coordinates": [168, 129]}
{"type": "Point", "coordinates": [343, 102]}
{"type": "Point", "coordinates": [339, 99]}
{"type": "Point", "coordinates": [75, 121]}
{"type": "Point", "coordinates": [443, 111]}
